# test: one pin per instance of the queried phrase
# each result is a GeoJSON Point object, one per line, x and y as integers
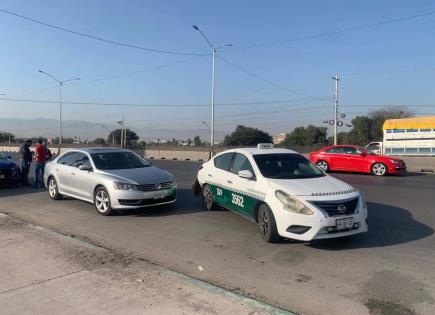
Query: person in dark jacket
{"type": "Point", "coordinates": [25, 160]}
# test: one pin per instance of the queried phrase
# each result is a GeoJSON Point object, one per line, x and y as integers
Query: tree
{"type": "Point", "coordinates": [246, 136]}
{"type": "Point", "coordinates": [99, 141]}
{"type": "Point", "coordinates": [6, 137]}
{"type": "Point", "coordinates": [197, 141]}
{"type": "Point", "coordinates": [301, 136]}
{"type": "Point", "coordinates": [379, 116]}
{"type": "Point", "coordinates": [131, 136]}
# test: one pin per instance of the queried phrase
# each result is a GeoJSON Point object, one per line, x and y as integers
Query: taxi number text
{"type": "Point", "coordinates": [237, 200]}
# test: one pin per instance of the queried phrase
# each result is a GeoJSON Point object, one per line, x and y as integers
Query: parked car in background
{"type": "Point", "coordinates": [375, 148]}
{"type": "Point", "coordinates": [283, 192]}
{"type": "Point", "coordinates": [9, 171]}
{"type": "Point", "coordinates": [351, 158]}
{"type": "Point", "coordinates": [110, 179]}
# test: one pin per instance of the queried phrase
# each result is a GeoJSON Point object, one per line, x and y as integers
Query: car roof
{"type": "Point", "coordinates": [99, 150]}
{"type": "Point", "coordinates": [256, 151]}
{"type": "Point", "coordinates": [341, 146]}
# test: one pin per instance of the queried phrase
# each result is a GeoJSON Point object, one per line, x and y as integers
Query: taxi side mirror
{"type": "Point", "coordinates": [246, 174]}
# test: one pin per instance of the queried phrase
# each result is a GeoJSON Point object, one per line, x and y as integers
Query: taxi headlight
{"type": "Point", "coordinates": [292, 204]}
{"type": "Point", "coordinates": [362, 201]}
{"type": "Point", "coordinates": [124, 186]}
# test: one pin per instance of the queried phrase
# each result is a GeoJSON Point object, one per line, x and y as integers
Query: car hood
{"type": "Point", "coordinates": [6, 164]}
{"type": "Point", "coordinates": [139, 176]}
{"type": "Point", "coordinates": [311, 186]}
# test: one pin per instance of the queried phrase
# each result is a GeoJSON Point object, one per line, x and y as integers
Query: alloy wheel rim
{"type": "Point", "coordinates": [52, 188]}
{"type": "Point", "coordinates": [102, 201]}
{"type": "Point", "coordinates": [322, 165]}
{"type": "Point", "coordinates": [379, 169]}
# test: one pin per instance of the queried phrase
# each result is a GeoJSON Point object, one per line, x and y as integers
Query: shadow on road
{"type": "Point", "coordinates": [388, 225]}
{"type": "Point", "coordinates": [11, 191]}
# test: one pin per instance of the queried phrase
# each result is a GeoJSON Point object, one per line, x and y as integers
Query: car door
{"type": "Point", "coordinates": [217, 177]}
{"type": "Point", "coordinates": [81, 180]}
{"type": "Point", "coordinates": [356, 162]}
{"type": "Point", "coordinates": [336, 158]}
{"type": "Point", "coordinates": [240, 197]}
{"type": "Point", "coordinates": [63, 170]}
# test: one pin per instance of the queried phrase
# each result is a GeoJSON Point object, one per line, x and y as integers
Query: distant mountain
{"type": "Point", "coordinates": [90, 130]}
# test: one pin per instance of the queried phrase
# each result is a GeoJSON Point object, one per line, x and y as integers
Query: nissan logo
{"type": "Point", "coordinates": [158, 186]}
{"type": "Point", "coordinates": [341, 208]}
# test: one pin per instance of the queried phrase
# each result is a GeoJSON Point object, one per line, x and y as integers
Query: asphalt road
{"type": "Point", "coordinates": [389, 270]}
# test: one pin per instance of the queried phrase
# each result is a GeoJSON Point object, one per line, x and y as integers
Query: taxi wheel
{"type": "Point", "coordinates": [102, 202]}
{"type": "Point", "coordinates": [379, 169]}
{"type": "Point", "coordinates": [267, 224]}
{"type": "Point", "coordinates": [207, 196]}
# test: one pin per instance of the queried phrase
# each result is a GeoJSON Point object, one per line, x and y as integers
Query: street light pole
{"type": "Point", "coordinates": [61, 83]}
{"type": "Point", "coordinates": [213, 50]}
{"type": "Point", "coordinates": [336, 78]}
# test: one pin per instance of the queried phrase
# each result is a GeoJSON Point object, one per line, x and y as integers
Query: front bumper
{"type": "Point", "coordinates": [8, 176]}
{"type": "Point", "coordinates": [397, 168]}
{"type": "Point", "coordinates": [125, 199]}
{"type": "Point", "coordinates": [319, 225]}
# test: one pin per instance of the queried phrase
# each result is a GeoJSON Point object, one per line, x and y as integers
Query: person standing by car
{"type": "Point", "coordinates": [40, 158]}
{"type": "Point", "coordinates": [25, 161]}
{"type": "Point", "coordinates": [49, 154]}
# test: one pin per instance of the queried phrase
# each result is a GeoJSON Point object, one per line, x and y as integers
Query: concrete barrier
{"type": "Point", "coordinates": [419, 163]}
{"type": "Point", "coordinates": [176, 155]}
{"type": "Point", "coordinates": [7, 149]}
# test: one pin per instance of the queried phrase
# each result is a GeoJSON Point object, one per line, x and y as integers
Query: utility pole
{"type": "Point", "coordinates": [123, 131]}
{"type": "Point", "coordinates": [336, 78]}
{"type": "Point", "coordinates": [61, 83]}
{"type": "Point", "coordinates": [213, 53]}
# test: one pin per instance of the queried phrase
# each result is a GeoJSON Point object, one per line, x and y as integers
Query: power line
{"type": "Point", "coordinates": [344, 30]}
{"type": "Point", "coordinates": [169, 52]}
{"type": "Point", "coordinates": [268, 81]}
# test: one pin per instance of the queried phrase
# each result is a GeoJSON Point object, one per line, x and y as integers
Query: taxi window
{"type": "Point", "coordinates": [241, 163]}
{"type": "Point", "coordinates": [224, 161]}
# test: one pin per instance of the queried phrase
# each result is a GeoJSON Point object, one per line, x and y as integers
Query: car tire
{"type": "Point", "coordinates": [53, 189]}
{"type": "Point", "coordinates": [267, 224]}
{"type": "Point", "coordinates": [102, 201]}
{"type": "Point", "coordinates": [379, 169]}
{"type": "Point", "coordinates": [322, 165]}
{"type": "Point", "coordinates": [207, 197]}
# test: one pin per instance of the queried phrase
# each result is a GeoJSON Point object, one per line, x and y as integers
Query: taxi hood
{"type": "Point", "coordinates": [309, 186]}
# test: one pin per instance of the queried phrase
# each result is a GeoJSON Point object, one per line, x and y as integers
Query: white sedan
{"type": "Point", "coordinates": [283, 192]}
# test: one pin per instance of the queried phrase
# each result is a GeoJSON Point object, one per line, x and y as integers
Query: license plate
{"type": "Point", "coordinates": [159, 195]}
{"type": "Point", "coordinates": [2, 176]}
{"type": "Point", "coordinates": [344, 224]}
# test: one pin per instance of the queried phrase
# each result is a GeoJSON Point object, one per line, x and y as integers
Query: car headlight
{"type": "Point", "coordinates": [124, 186]}
{"type": "Point", "coordinates": [292, 204]}
{"type": "Point", "coordinates": [15, 171]}
{"type": "Point", "coordinates": [362, 201]}
{"type": "Point", "coordinates": [395, 161]}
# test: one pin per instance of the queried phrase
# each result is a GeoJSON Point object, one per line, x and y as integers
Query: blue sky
{"type": "Point", "coordinates": [389, 64]}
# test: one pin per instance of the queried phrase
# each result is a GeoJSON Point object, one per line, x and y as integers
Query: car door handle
{"type": "Point", "coordinates": [229, 181]}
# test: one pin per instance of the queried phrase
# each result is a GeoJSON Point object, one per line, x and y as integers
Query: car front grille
{"type": "Point", "coordinates": [6, 173]}
{"type": "Point", "coordinates": [145, 202]}
{"type": "Point", "coordinates": [336, 208]}
{"type": "Point", "coordinates": [157, 186]}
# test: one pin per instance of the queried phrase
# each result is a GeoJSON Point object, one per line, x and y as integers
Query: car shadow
{"type": "Point", "coordinates": [186, 203]}
{"type": "Point", "coordinates": [11, 190]}
{"type": "Point", "coordinates": [388, 226]}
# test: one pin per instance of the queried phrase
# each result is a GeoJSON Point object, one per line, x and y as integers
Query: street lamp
{"type": "Point", "coordinates": [60, 104]}
{"type": "Point", "coordinates": [213, 50]}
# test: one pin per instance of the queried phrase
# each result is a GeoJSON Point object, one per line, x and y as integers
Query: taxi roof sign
{"type": "Point", "coordinates": [262, 146]}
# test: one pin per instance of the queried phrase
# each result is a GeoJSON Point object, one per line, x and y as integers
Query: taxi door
{"type": "Point", "coordinates": [240, 197]}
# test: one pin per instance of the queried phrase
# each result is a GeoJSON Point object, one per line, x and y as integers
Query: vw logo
{"type": "Point", "coordinates": [158, 186]}
{"type": "Point", "coordinates": [341, 208]}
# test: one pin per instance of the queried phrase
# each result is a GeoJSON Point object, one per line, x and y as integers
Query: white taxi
{"type": "Point", "coordinates": [283, 192]}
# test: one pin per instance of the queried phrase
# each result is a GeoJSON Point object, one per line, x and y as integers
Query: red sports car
{"type": "Point", "coordinates": [353, 158]}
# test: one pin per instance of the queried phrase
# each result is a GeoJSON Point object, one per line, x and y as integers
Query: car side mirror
{"type": "Point", "coordinates": [363, 153]}
{"type": "Point", "coordinates": [246, 174]}
{"type": "Point", "coordinates": [9, 157]}
{"type": "Point", "coordinates": [85, 168]}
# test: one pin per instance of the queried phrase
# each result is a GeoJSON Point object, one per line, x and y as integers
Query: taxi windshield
{"type": "Point", "coordinates": [286, 166]}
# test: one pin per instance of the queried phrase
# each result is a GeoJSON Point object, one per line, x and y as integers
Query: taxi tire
{"type": "Point", "coordinates": [267, 224]}
{"type": "Point", "coordinates": [207, 198]}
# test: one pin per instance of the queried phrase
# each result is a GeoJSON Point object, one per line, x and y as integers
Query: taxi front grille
{"type": "Point", "coordinates": [157, 186]}
{"type": "Point", "coordinates": [336, 208]}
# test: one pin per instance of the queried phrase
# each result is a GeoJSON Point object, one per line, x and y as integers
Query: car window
{"type": "Point", "coordinates": [3, 156]}
{"type": "Point", "coordinates": [223, 161]}
{"type": "Point", "coordinates": [68, 159]}
{"type": "Point", "coordinates": [241, 163]}
{"type": "Point", "coordinates": [339, 150]}
{"type": "Point", "coordinates": [82, 159]}
{"type": "Point", "coordinates": [118, 160]}
{"type": "Point", "coordinates": [352, 150]}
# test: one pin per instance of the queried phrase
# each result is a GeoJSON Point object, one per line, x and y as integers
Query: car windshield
{"type": "Point", "coordinates": [3, 157]}
{"type": "Point", "coordinates": [286, 166]}
{"type": "Point", "coordinates": [117, 160]}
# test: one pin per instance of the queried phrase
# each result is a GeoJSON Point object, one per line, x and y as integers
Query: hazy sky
{"type": "Point", "coordinates": [389, 64]}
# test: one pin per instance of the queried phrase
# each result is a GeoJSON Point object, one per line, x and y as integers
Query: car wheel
{"type": "Point", "coordinates": [323, 166]}
{"type": "Point", "coordinates": [267, 224]}
{"type": "Point", "coordinates": [102, 201]}
{"type": "Point", "coordinates": [207, 196]}
{"type": "Point", "coordinates": [53, 189]}
{"type": "Point", "coordinates": [379, 169]}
